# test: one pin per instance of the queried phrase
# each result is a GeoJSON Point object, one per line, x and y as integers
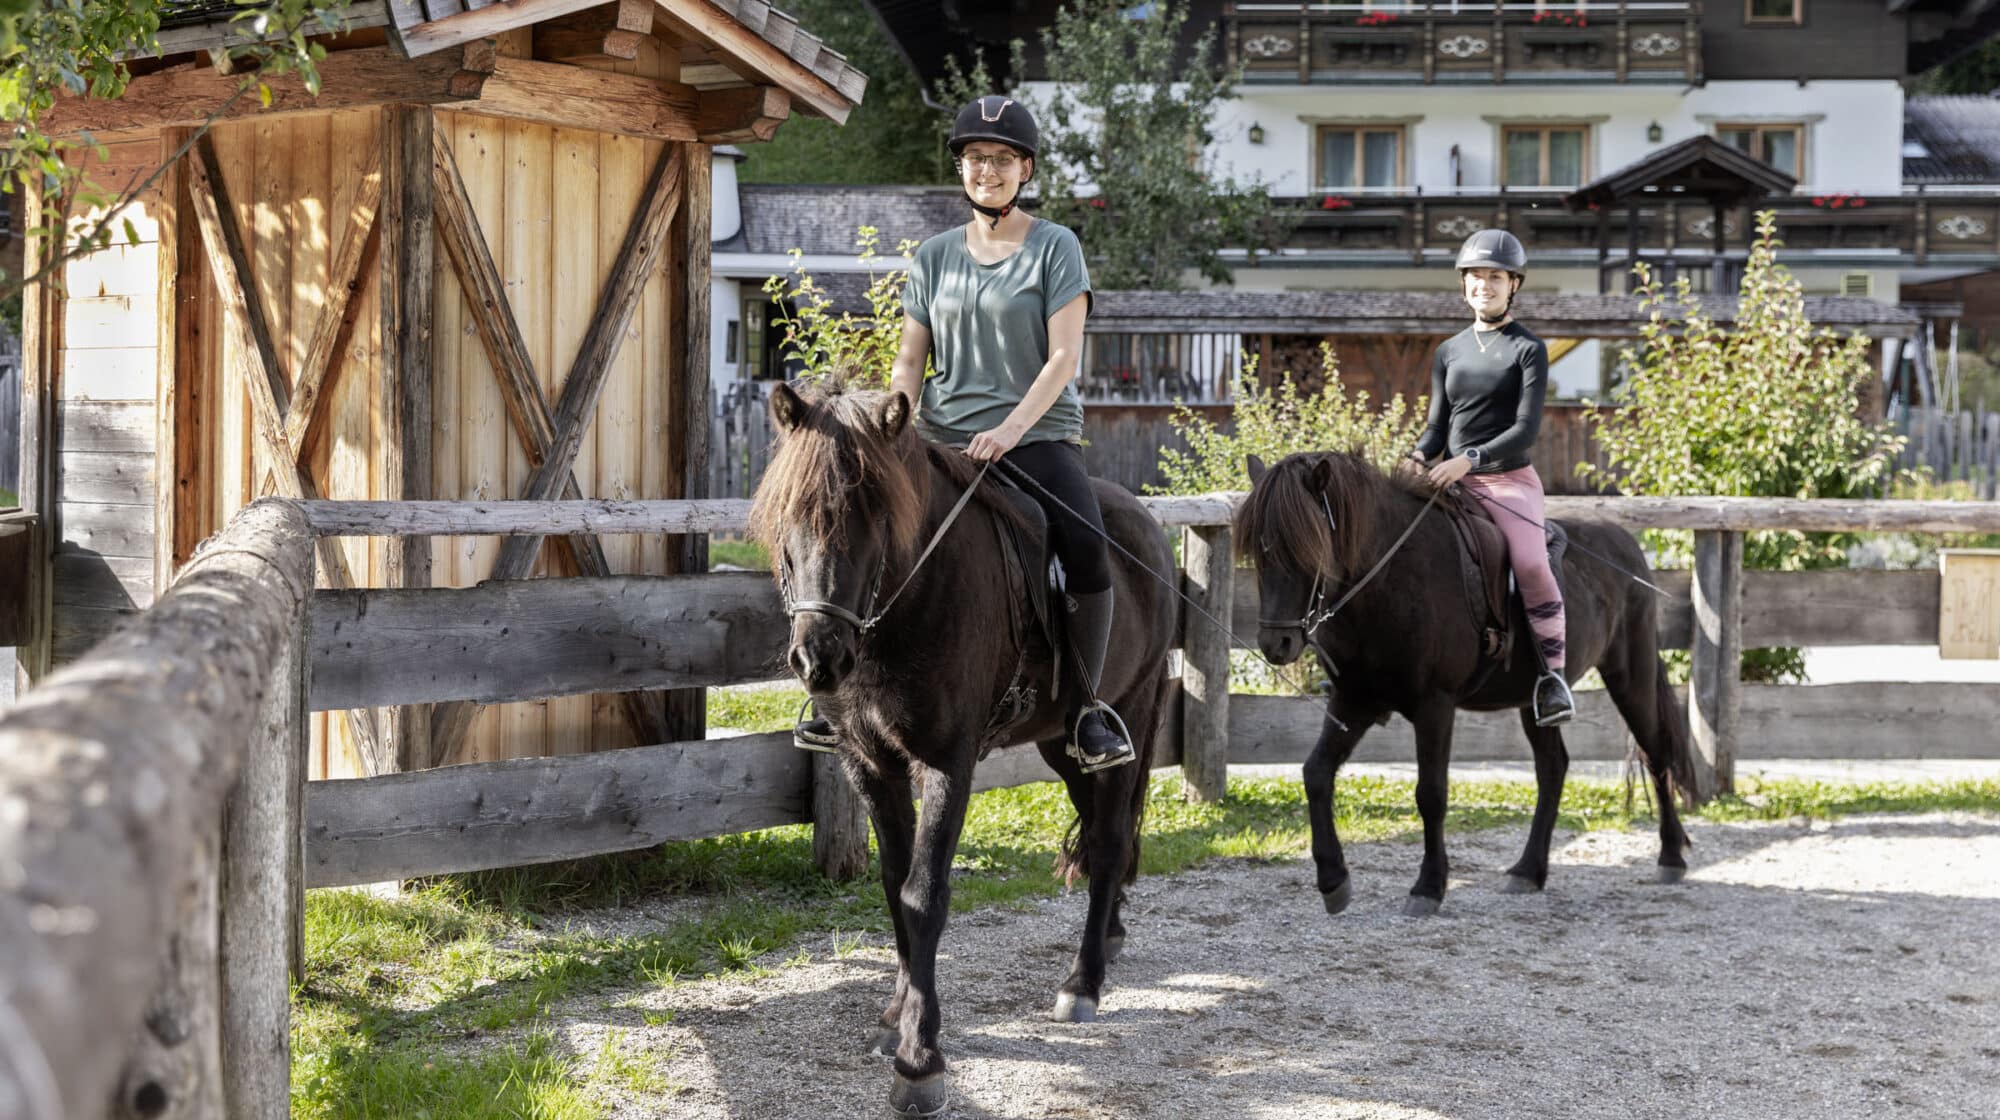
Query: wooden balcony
{"type": "Point", "coordinates": [1444, 42]}
{"type": "Point", "coordinates": [1876, 230]}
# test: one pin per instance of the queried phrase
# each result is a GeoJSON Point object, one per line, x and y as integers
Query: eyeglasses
{"type": "Point", "coordinates": [1002, 163]}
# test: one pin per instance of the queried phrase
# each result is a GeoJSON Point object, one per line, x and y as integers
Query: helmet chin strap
{"type": "Point", "coordinates": [993, 213]}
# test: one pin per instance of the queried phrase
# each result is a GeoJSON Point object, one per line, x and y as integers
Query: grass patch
{"type": "Point", "coordinates": [9, 499]}
{"type": "Point", "coordinates": [741, 553]}
{"type": "Point", "coordinates": [394, 985]}
{"type": "Point", "coordinates": [755, 708]}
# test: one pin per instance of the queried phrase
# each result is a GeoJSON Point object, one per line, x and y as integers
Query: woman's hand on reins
{"type": "Point", "coordinates": [993, 443]}
{"type": "Point", "coordinates": [1450, 471]}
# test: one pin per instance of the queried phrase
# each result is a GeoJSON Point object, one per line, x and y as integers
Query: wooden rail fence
{"type": "Point", "coordinates": [128, 912]}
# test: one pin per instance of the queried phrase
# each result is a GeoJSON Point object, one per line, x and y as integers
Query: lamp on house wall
{"type": "Point", "coordinates": [1654, 133]}
{"type": "Point", "coordinates": [1256, 133]}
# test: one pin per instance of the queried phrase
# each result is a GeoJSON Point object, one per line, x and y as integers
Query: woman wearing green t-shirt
{"type": "Point", "coordinates": [997, 306]}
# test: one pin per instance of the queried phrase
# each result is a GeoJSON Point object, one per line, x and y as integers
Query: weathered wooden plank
{"type": "Point", "coordinates": [576, 97]}
{"type": "Point", "coordinates": [406, 302]}
{"type": "Point", "coordinates": [532, 639]}
{"type": "Point", "coordinates": [689, 348]}
{"type": "Point", "coordinates": [121, 478]}
{"type": "Point", "coordinates": [115, 772]}
{"type": "Point", "coordinates": [336, 318]}
{"type": "Point", "coordinates": [505, 814]}
{"type": "Point", "coordinates": [75, 631]}
{"type": "Point", "coordinates": [126, 374]}
{"type": "Point", "coordinates": [1815, 515]}
{"type": "Point", "coordinates": [108, 426]}
{"type": "Point", "coordinates": [839, 820]}
{"type": "Point", "coordinates": [482, 22]}
{"type": "Point", "coordinates": [749, 54]}
{"type": "Point", "coordinates": [86, 579]}
{"type": "Point", "coordinates": [111, 530]}
{"type": "Point", "coordinates": [1716, 656]}
{"type": "Point", "coordinates": [1207, 580]}
{"type": "Point", "coordinates": [110, 322]}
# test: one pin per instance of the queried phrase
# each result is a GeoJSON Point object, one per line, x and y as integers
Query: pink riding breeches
{"type": "Point", "coordinates": [1514, 499]}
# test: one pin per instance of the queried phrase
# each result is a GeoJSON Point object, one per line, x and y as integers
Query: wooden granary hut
{"type": "Point", "coordinates": [474, 267]}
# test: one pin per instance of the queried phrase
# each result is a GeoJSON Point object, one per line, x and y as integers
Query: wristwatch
{"type": "Point", "coordinates": [1418, 456]}
{"type": "Point", "coordinates": [1474, 456]}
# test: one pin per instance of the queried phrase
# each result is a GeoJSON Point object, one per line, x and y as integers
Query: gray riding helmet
{"type": "Point", "coordinates": [1493, 248]}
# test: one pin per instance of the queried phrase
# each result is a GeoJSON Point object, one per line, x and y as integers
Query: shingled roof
{"type": "Point", "coordinates": [822, 220]}
{"type": "Point", "coordinates": [1959, 138]}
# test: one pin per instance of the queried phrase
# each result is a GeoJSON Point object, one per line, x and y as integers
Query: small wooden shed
{"type": "Point", "coordinates": [475, 267]}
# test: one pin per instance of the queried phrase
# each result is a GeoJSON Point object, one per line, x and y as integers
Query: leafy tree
{"type": "Point", "coordinates": [1975, 72]}
{"type": "Point", "coordinates": [52, 48]}
{"type": "Point", "coordinates": [887, 138]}
{"type": "Point", "coordinates": [1769, 409]}
{"type": "Point", "coordinates": [1273, 423]}
{"type": "Point", "coordinates": [1126, 126]}
{"type": "Point", "coordinates": [857, 349]}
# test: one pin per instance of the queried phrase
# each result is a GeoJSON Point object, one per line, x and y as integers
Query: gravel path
{"type": "Point", "coordinates": [1822, 971]}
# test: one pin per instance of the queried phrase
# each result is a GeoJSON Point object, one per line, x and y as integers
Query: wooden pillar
{"type": "Point", "coordinates": [1631, 243]}
{"type": "Point", "coordinates": [840, 821]}
{"type": "Point", "coordinates": [174, 1071]}
{"type": "Point", "coordinates": [406, 275]}
{"type": "Point", "coordinates": [263, 893]}
{"type": "Point", "coordinates": [1603, 250]}
{"type": "Point", "coordinates": [688, 268]}
{"type": "Point", "coordinates": [1209, 571]}
{"type": "Point", "coordinates": [1713, 686]}
{"type": "Point", "coordinates": [1718, 280]}
{"type": "Point", "coordinates": [41, 364]}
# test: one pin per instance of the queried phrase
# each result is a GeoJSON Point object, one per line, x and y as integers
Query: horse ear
{"type": "Point", "coordinates": [787, 407]}
{"type": "Point", "coordinates": [1257, 470]}
{"type": "Point", "coordinates": [1322, 474]}
{"type": "Point", "coordinates": [895, 414]}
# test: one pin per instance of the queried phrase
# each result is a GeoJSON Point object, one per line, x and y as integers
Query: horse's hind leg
{"type": "Point", "coordinates": [1101, 850]}
{"type": "Point", "coordinates": [1433, 726]}
{"type": "Point", "coordinates": [1652, 711]}
{"type": "Point", "coordinates": [1531, 872]}
{"type": "Point", "coordinates": [1338, 734]}
{"type": "Point", "coordinates": [895, 821]}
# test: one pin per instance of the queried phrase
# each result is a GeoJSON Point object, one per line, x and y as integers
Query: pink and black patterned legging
{"type": "Point", "coordinates": [1519, 492]}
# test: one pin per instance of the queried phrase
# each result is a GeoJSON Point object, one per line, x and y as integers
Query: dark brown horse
{"type": "Point", "coordinates": [846, 507]}
{"type": "Point", "coordinates": [1407, 644]}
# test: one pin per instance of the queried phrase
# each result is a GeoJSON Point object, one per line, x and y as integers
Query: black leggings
{"type": "Point", "coordinates": [1058, 466]}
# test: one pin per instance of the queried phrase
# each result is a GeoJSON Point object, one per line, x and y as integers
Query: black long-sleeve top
{"type": "Point", "coordinates": [1487, 397]}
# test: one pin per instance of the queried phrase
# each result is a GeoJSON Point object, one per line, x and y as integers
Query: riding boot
{"type": "Point", "coordinates": [815, 732]}
{"type": "Point", "coordinates": [1553, 703]}
{"type": "Point", "coordinates": [1098, 739]}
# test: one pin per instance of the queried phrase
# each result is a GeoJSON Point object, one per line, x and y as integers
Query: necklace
{"type": "Point", "coordinates": [1476, 332]}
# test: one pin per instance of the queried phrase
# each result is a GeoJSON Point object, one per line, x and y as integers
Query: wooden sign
{"type": "Point", "coordinates": [1969, 603]}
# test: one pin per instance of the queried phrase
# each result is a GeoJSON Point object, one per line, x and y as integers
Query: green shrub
{"type": "Point", "coordinates": [859, 348]}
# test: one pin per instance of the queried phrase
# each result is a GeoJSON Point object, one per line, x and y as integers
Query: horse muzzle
{"type": "Point", "coordinates": [821, 656]}
{"type": "Point", "coordinates": [1281, 645]}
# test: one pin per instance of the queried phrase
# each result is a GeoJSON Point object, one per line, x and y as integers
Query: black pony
{"type": "Point", "coordinates": [846, 507]}
{"type": "Point", "coordinates": [1407, 643]}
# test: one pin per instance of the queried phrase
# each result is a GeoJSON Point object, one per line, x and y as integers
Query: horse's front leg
{"type": "Point", "coordinates": [922, 1087]}
{"type": "Point", "coordinates": [1433, 725]}
{"type": "Point", "coordinates": [1343, 727]}
{"type": "Point", "coordinates": [1531, 872]}
{"type": "Point", "coordinates": [887, 792]}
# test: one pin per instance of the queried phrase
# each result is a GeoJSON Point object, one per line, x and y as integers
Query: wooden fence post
{"type": "Point", "coordinates": [263, 893]}
{"type": "Point", "coordinates": [840, 821]}
{"type": "Point", "coordinates": [1209, 568]}
{"type": "Point", "coordinates": [1714, 691]}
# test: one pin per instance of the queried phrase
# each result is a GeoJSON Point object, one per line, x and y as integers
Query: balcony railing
{"type": "Point", "coordinates": [1410, 41]}
{"type": "Point", "coordinates": [1922, 228]}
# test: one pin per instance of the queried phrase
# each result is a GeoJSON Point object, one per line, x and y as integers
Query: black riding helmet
{"type": "Point", "coordinates": [1002, 120]}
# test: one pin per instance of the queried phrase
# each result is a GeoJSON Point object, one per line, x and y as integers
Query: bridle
{"type": "Point", "coordinates": [865, 622]}
{"type": "Point", "coordinates": [1318, 614]}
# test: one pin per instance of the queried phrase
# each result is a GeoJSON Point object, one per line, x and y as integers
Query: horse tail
{"type": "Point", "coordinates": [1674, 733]}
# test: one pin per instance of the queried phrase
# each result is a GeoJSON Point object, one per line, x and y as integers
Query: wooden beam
{"type": "Point", "coordinates": [187, 96]}
{"type": "Point", "coordinates": [269, 392]}
{"type": "Point", "coordinates": [742, 116]}
{"type": "Point", "coordinates": [41, 369]}
{"type": "Point", "coordinates": [1715, 669]}
{"type": "Point", "coordinates": [336, 318]}
{"type": "Point", "coordinates": [533, 639]}
{"type": "Point", "coordinates": [500, 333]}
{"type": "Point", "coordinates": [431, 36]}
{"type": "Point", "coordinates": [608, 31]}
{"type": "Point", "coordinates": [405, 286]}
{"type": "Point", "coordinates": [177, 240]}
{"type": "Point", "coordinates": [1208, 578]}
{"type": "Point", "coordinates": [750, 55]}
{"type": "Point", "coordinates": [597, 100]}
{"type": "Point", "coordinates": [637, 259]}
{"type": "Point", "coordinates": [689, 348]}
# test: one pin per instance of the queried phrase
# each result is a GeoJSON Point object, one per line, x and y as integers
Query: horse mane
{"type": "Point", "coordinates": [836, 458]}
{"type": "Point", "coordinates": [1284, 512]}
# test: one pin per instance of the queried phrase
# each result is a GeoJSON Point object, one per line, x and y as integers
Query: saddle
{"type": "Point", "coordinates": [1033, 573]}
{"type": "Point", "coordinates": [1485, 575]}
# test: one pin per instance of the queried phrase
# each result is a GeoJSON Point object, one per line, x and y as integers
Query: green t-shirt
{"type": "Point", "coordinates": [989, 329]}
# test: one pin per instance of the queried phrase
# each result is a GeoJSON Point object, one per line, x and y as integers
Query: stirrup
{"type": "Point", "coordinates": [1091, 764]}
{"type": "Point", "coordinates": [1560, 715]}
{"type": "Point", "coordinates": [807, 739]}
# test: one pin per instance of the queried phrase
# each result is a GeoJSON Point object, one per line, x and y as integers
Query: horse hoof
{"type": "Point", "coordinates": [884, 1044]}
{"type": "Point", "coordinates": [924, 1096]}
{"type": "Point", "coordinates": [1072, 1008]}
{"type": "Point", "coordinates": [1337, 899]}
{"type": "Point", "coordinates": [1519, 884]}
{"type": "Point", "coordinates": [1667, 874]}
{"type": "Point", "coordinates": [1420, 907]}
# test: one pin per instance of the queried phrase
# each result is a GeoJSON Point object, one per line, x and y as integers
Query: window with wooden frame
{"type": "Point", "coordinates": [1790, 13]}
{"type": "Point", "coordinates": [1780, 145]}
{"type": "Point", "coordinates": [1544, 155]}
{"type": "Point", "coordinates": [1354, 156]}
{"type": "Point", "coordinates": [752, 367]}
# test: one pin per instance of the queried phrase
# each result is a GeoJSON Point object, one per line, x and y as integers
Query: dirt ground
{"type": "Point", "coordinates": [1821, 971]}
